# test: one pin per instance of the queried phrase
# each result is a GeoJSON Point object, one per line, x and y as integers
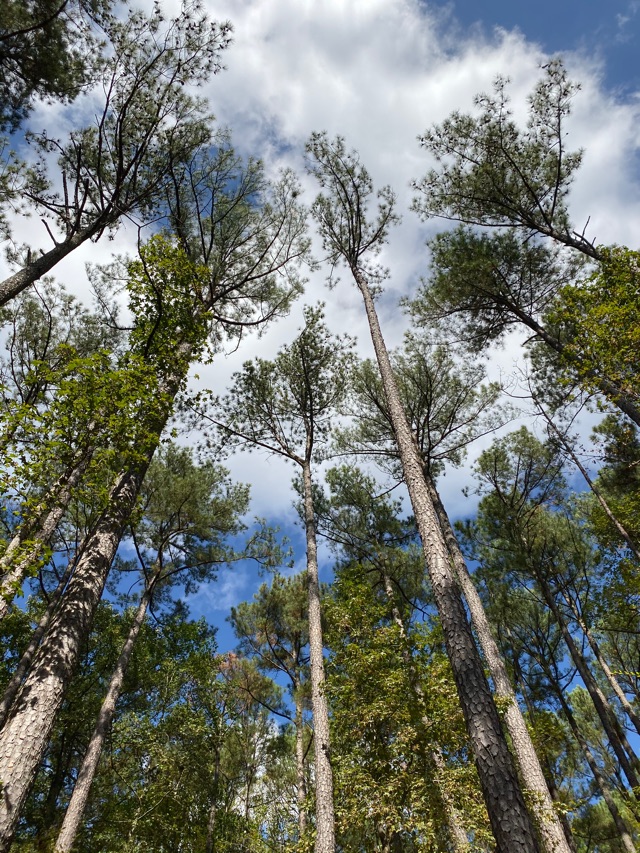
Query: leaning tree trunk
{"type": "Point", "coordinates": [610, 723]}
{"type": "Point", "coordinates": [77, 803]}
{"type": "Point", "coordinates": [325, 820]}
{"type": "Point", "coordinates": [510, 822]}
{"type": "Point", "coordinates": [601, 782]}
{"type": "Point", "coordinates": [23, 552]}
{"type": "Point", "coordinates": [11, 690]}
{"type": "Point", "coordinates": [24, 737]}
{"type": "Point", "coordinates": [549, 826]}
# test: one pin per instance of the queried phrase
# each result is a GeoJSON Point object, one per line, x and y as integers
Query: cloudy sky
{"type": "Point", "coordinates": [379, 72]}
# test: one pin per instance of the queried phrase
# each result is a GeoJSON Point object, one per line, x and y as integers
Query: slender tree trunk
{"type": "Point", "coordinates": [213, 809]}
{"type": "Point", "coordinates": [325, 821]}
{"type": "Point", "coordinates": [11, 690]}
{"type": "Point", "coordinates": [624, 533]}
{"type": "Point", "coordinates": [24, 737]}
{"type": "Point", "coordinates": [16, 561]}
{"type": "Point", "coordinates": [458, 836]}
{"type": "Point", "coordinates": [549, 826]}
{"type": "Point", "coordinates": [301, 781]}
{"type": "Point", "coordinates": [610, 723]}
{"type": "Point", "coordinates": [77, 803]}
{"type": "Point", "coordinates": [601, 782]}
{"type": "Point", "coordinates": [604, 666]}
{"type": "Point", "coordinates": [508, 815]}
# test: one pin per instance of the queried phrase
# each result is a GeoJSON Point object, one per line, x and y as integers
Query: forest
{"type": "Point", "coordinates": [403, 678]}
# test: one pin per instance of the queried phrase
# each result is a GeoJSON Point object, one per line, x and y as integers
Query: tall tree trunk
{"type": "Point", "coordinates": [301, 781]}
{"type": "Point", "coordinates": [610, 723]}
{"type": "Point", "coordinates": [77, 803]}
{"type": "Point", "coordinates": [604, 666]}
{"type": "Point", "coordinates": [601, 782]}
{"type": "Point", "coordinates": [17, 560]}
{"type": "Point", "coordinates": [508, 815]}
{"type": "Point", "coordinates": [213, 808]}
{"type": "Point", "coordinates": [458, 836]}
{"type": "Point", "coordinates": [325, 820]}
{"type": "Point", "coordinates": [11, 690]}
{"type": "Point", "coordinates": [550, 828]}
{"type": "Point", "coordinates": [24, 737]}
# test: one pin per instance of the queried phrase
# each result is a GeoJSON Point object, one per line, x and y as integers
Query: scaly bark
{"type": "Point", "coordinates": [77, 803]}
{"type": "Point", "coordinates": [508, 815]}
{"type": "Point", "coordinates": [549, 826]}
{"type": "Point", "coordinates": [24, 737]}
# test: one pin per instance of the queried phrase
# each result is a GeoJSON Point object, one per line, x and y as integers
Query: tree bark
{"type": "Point", "coordinates": [24, 737]}
{"type": "Point", "coordinates": [11, 690]}
{"type": "Point", "coordinates": [86, 775]}
{"type": "Point", "coordinates": [14, 565]}
{"type": "Point", "coordinates": [325, 820]}
{"type": "Point", "coordinates": [549, 826]}
{"type": "Point", "coordinates": [508, 815]}
{"type": "Point", "coordinates": [458, 836]}
{"type": "Point", "coordinates": [301, 782]}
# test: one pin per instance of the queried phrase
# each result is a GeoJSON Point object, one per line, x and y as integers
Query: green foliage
{"type": "Point", "coordinates": [48, 50]}
{"type": "Point", "coordinates": [492, 172]}
{"type": "Point", "coordinates": [286, 406]}
{"type": "Point", "coordinates": [600, 322]}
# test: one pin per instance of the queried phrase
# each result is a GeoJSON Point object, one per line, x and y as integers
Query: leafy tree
{"type": "Point", "coordinates": [122, 164]}
{"type": "Point", "coordinates": [47, 50]}
{"type": "Point", "coordinates": [350, 236]}
{"type": "Point", "coordinates": [176, 301]}
{"type": "Point", "coordinates": [286, 407]}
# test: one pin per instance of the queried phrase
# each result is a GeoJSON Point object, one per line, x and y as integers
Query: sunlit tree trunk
{"type": "Point", "coordinates": [508, 815]}
{"type": "Point", "coordinates": [551, 832]}
{"type": "Point", "coordinates": [325, 820]}
{"type": "Point", "coordinates": [77, 803]}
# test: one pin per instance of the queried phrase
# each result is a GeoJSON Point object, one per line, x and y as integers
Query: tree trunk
{"type": "Point", "coordinates": [11, 690]}
{"type": "Point", "coordinates": [325, 821]}
{"type": "Point", "coordinates": [458, 836]}
{"type": "Point", "coordinates": [604, 666]}
{"type": "Point", "coordinates": [301, 782]}
{"type": "Point", "coordinates": [508, 815]}
{"type": "Point", "coordinates": [610, 723]}
{"type": "Point", "coordinates": [15, 564]}
{"type": "Point", "coordinates": [41, 265]}
{"type": "Point", "coordinates": [601, 782]}
{"type": "Point", "coordinates": [86, 775]}
{"type": "Point", "coordinates": [549, 826]}
{"type": "Point", "coordinates": [24, 737]}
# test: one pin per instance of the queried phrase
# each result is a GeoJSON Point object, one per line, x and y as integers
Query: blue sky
{"type": "Point", "coordinates": [609, 30]}
{"type": "Point", "coordinates": [379, 72]}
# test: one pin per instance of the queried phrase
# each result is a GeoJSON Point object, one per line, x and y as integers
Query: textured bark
{"type": "Point", "coordinates": [41, 265]}
{"type": "Point", "coordinates": [507, 812]}
{"type": "Point", "coordinates": [24, 737]}
{"type": "Point", "coordinates": [17, 561]}
{"type": "Point", "coordinates": [325, 820]}
{"type": "Point", "coordinates": [11, 690]}
{"type": "Point", "coordinates": [77, 803]}
{"type": "Point", "coordinates": [552, 835]}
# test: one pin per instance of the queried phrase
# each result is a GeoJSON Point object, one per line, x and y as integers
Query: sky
{"type": "Point", "coordinates": [379, 73]}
